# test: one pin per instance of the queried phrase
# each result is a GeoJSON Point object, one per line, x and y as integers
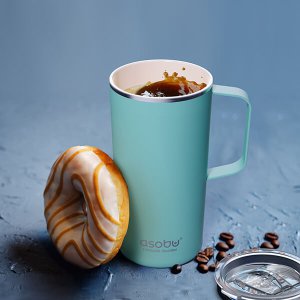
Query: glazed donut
{"type": "Point", "coordinates": [86, 206]}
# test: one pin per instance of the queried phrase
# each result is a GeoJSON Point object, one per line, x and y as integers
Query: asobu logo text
{"type": "Point", "coordinates": [160, 244]}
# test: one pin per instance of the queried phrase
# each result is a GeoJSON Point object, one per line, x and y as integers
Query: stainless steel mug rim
{"type": "Point", "coordinates": [159, 99]}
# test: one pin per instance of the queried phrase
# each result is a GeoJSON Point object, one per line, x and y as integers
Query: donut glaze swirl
{"type": "Point", "coordinates": [86, 206]}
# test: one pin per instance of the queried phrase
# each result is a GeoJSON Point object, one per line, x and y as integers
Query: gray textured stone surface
{"type": "Point", "coordinates": [55, 59]}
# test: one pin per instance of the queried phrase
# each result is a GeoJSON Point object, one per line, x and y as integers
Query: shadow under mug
{"type": "Point", "coordinates": [161, 146]}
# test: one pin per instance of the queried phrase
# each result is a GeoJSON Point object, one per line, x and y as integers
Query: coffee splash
{"type": "Point", "coordinates": [170, 86]}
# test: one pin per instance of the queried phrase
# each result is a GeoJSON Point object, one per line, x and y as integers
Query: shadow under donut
{"type": "Point", "coordinates": [35, 264]}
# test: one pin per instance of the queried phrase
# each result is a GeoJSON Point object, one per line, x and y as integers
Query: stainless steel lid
{"type": "Point", "coordinates": [259, 274]}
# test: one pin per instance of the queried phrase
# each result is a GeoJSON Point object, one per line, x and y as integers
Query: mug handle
{"type": "Point", "coordinates": [237, 166]}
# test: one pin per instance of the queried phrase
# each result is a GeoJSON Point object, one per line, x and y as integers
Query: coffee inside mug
{"type": "Point", "coordinates": [172, 85]}
{"type": "Point", "coordinates": [141, 72]}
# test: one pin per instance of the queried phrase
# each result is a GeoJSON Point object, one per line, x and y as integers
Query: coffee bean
{"type": "Point", "coordinates": [226, 236]}
{"type": "Point", "coordinates": [202, 252]}
{"type": "Point", "coordinates": [267, 245]}
{"type": "Point", "coordinates": [221, 246]}
{"type": "Point", "coordinates": [275, 244]}
{"type": "Point", "coordinates": [221, 255]}
{"type": "Point", "coordinates": [209, 252]}
{"type": "Point", "coordinates": [271, 236]}
{"type": "Point", "coordinates": [202, 268]}
{"type": "Point", "coordinates": [176, 269]}
{"type": "Point", "coordinates": [212, 267]}
{"type": "Point", "coordinates": [230, 243]}
{"type": "Point", "coordinates": [202, 259]}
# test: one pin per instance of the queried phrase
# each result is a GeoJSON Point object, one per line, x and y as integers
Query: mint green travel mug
{"type": "Point", "coordinates": [161, 147]}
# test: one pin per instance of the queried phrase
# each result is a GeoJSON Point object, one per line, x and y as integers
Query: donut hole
{"type": "Point", "coordinates": [84, 206]}
{"type": "Point", "coordinates": [82, 203]}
